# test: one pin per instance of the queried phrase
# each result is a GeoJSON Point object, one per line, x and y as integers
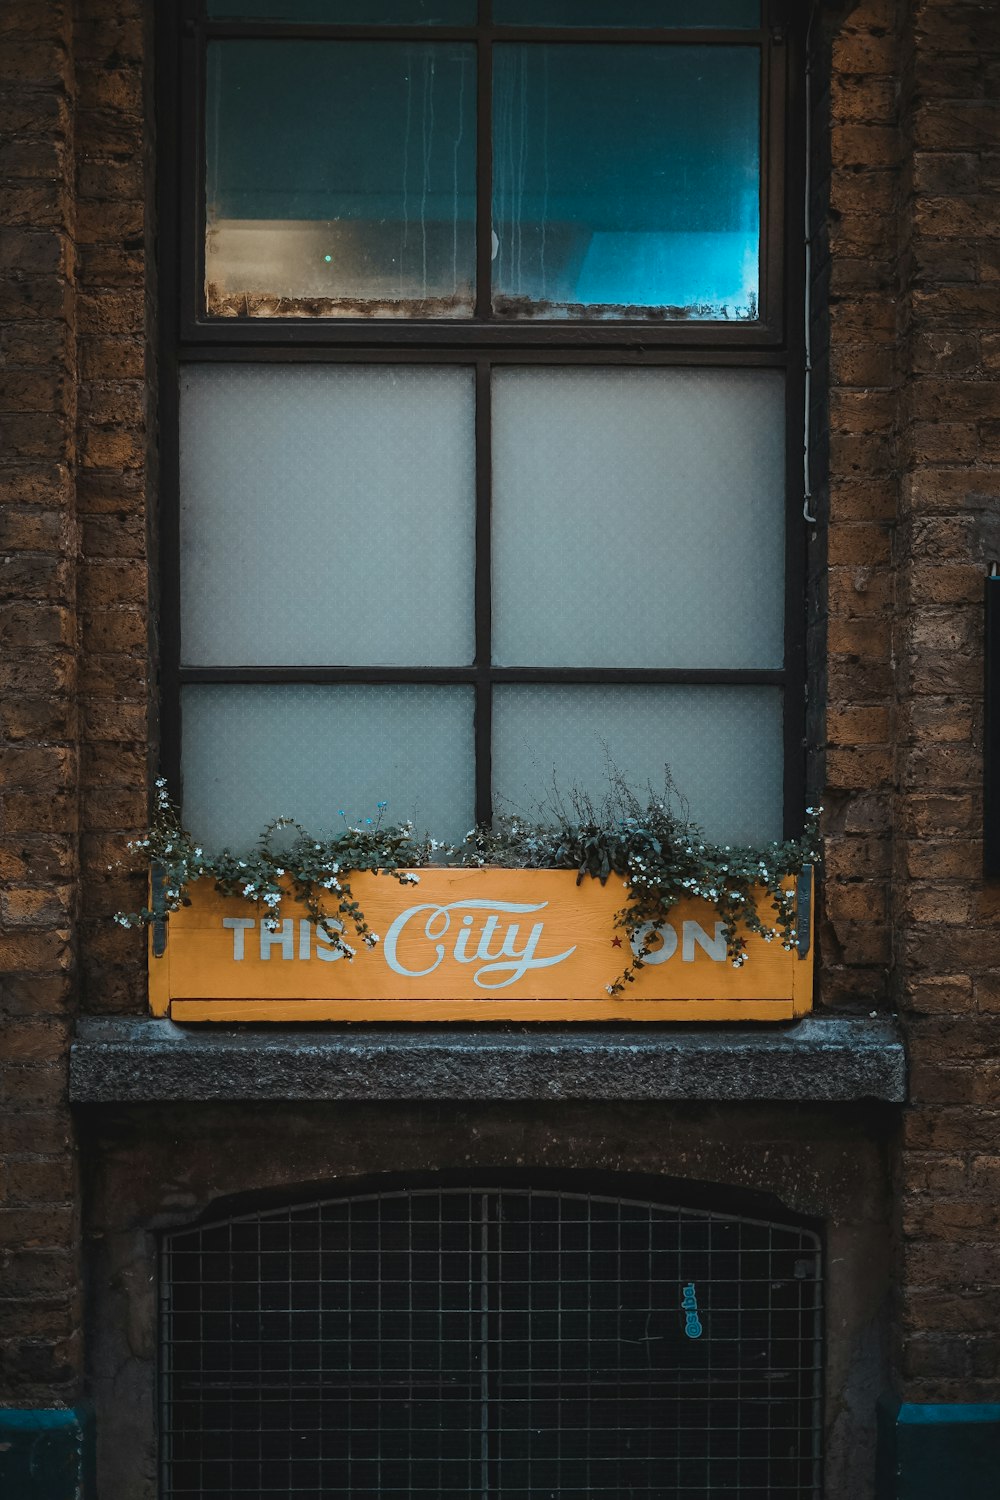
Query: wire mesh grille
{"type": "Point", "coordinates": [490, 1342]}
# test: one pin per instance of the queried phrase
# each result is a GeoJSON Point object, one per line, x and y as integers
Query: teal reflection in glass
{"type": "Point", "coordinates": [626, 181]}
{"type": "Point", "coordinates": [350, 12]}
{"type": "Point", "coordinates": [666, 13]}
{"type": "Point", "coordinates": [340, 178]}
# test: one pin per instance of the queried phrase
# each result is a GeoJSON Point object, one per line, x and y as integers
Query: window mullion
{"type": "Point", "coordinates": [484, 172]}
{"type": "Point", "coordinates": [483, 595]}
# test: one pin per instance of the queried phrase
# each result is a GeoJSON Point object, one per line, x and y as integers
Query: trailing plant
{"type": "Point", "coordinates": [650, 844]}
{"type": "Point", "coordinates": [663, 858]}
{"type": "Point", "coordinates": [287, 860]}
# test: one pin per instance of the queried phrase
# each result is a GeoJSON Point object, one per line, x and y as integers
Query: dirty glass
{"type": "Point", "coordinates": [327, 515]}
{"type": "Point", "coordinates": [638, 517]}
{"type": "Point", "coordinates": [723, 746]}
{"type": "Point", "coordinates": [666, 13]}
{"type": "Point", "coordinates": [340, 179]}
{"type": "Point", "coordinates": [626, 181]}
{"type": "Point", "coordinates": [350, 12]}
{"type": "Point", "coordinates": [304, 751]}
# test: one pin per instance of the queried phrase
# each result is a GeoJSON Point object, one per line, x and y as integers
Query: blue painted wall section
{"type": "Point", "coordinates": [46, 1455]}
{"type": "Point", "coordinates": [931, 1452]}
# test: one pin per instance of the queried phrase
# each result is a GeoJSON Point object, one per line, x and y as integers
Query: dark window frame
{"type": "Point", "coordinates": [775, 341]}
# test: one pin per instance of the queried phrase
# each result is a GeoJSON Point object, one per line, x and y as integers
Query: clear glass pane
{"type": "Point", "coordinates": [638, 517]}
{"type": "Point", "coordinates": [667, 13]}
{"type": "Point", "coordinates": [340, 179]}
{"type": "Point", "coordinates": [626, 181]}
{"type": "Point", "coordinates": [723, 746]}
{"type": "Point", "coordinates": [255, 753]}
{"type": "Point", "coordinates": [350, 12]}
{"type": "Point", "coordinates": [327, 515]}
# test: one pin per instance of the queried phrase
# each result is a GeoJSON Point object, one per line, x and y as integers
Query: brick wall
{"type": "Point", "coordinates": [39, 760]}
{"type": "Point", "coordinates": [73, 618]}
{"type": "Point", "coordinates": [854, 203]}
{"type": "Point", "coordinates": [115, 238]}
{"type": "Point", "coordinates": [912, 500]}
{"type": "Point", "coordinates": [947, 921]}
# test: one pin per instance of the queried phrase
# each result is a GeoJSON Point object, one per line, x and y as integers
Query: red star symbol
{"type": "Point", "coordinates": [616, 942]}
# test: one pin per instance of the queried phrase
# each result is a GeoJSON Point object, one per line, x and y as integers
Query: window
{"type": "Point", "coordinates": [486, 375]}
{"type": "Point", "coordinates": [491, 1340]}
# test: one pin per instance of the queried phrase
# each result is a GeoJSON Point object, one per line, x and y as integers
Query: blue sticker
{"type": "Point", "coordinates": [689, 1304]}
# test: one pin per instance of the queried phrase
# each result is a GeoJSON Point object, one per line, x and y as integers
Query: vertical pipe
{"type": "Point", "coordinates": [991, 724]}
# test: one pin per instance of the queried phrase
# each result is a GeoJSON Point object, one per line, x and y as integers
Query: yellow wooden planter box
{"type": "Point", "coordinates": [468, 945]}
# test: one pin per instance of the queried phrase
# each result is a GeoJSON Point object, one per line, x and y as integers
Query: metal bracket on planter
{"type": "Point", "coordinates": [157, 882]}
{"type": "Point", "coordinates": [803, 920]}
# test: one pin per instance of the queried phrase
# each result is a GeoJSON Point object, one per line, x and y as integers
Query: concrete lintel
{"type": "Point", "coordinates": [816, 1059]}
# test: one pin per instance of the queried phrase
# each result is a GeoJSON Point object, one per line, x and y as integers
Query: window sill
{"type": "Point", "coordinates": [816, 1059]}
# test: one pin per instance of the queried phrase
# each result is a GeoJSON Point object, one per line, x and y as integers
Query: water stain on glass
{"type": "Point", "coordinates": [340, 179]}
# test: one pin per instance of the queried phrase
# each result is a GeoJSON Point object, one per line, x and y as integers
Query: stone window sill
{"type": "Point", "coordinates": [823, 1059]}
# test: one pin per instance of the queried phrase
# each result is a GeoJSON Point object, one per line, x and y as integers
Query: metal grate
{"type": "Point", "coordinates": [490, 1342]}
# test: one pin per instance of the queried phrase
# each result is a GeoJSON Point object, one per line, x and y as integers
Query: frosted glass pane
{"type": "Point", "coordinates": [340, 179]}
{"type": "Point", "coordinates": [352, 12]}
{"type": "Point", "coordinates": [327, 515]}
{"type": "Point", "coordinates": [723, 745]}
{"type": "Point", "coordinates": [700, 13]}
{"type": "Point", "coordinates": [255, 753]}
{"type": "Point", "coordinates": [626, 181]}
{"type": "Point", "coordinates": [638, 517]}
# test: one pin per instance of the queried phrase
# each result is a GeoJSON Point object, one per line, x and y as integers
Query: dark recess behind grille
{"type": "Point", "coordinates": [481, 1342]}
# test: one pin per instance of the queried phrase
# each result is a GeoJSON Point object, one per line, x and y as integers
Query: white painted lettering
{"type": "Point", "coordinates": [283, 937]}
{"type": "Point", "coordinates": [436, 926]}
{"type": "Point", "coordinates": [668, 942]}
{"type": "Point", "coordinates": [524, 958]}
{"type": "Point", "coordinates": [510, 962]}
{"type": "Point", "coordinates": [489, 928]}
{"type": "Point", "coordinates": [715, 947]}
{"type": "Point", "coordinates": [326, 948]}
{"type": "Point", "coordinates": [238, 926]}
{"type": "Point", "coordinates": [462, 942]}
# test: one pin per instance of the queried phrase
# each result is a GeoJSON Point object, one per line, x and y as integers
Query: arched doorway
{"type": "Point", "coordinates": [490, 1341]}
